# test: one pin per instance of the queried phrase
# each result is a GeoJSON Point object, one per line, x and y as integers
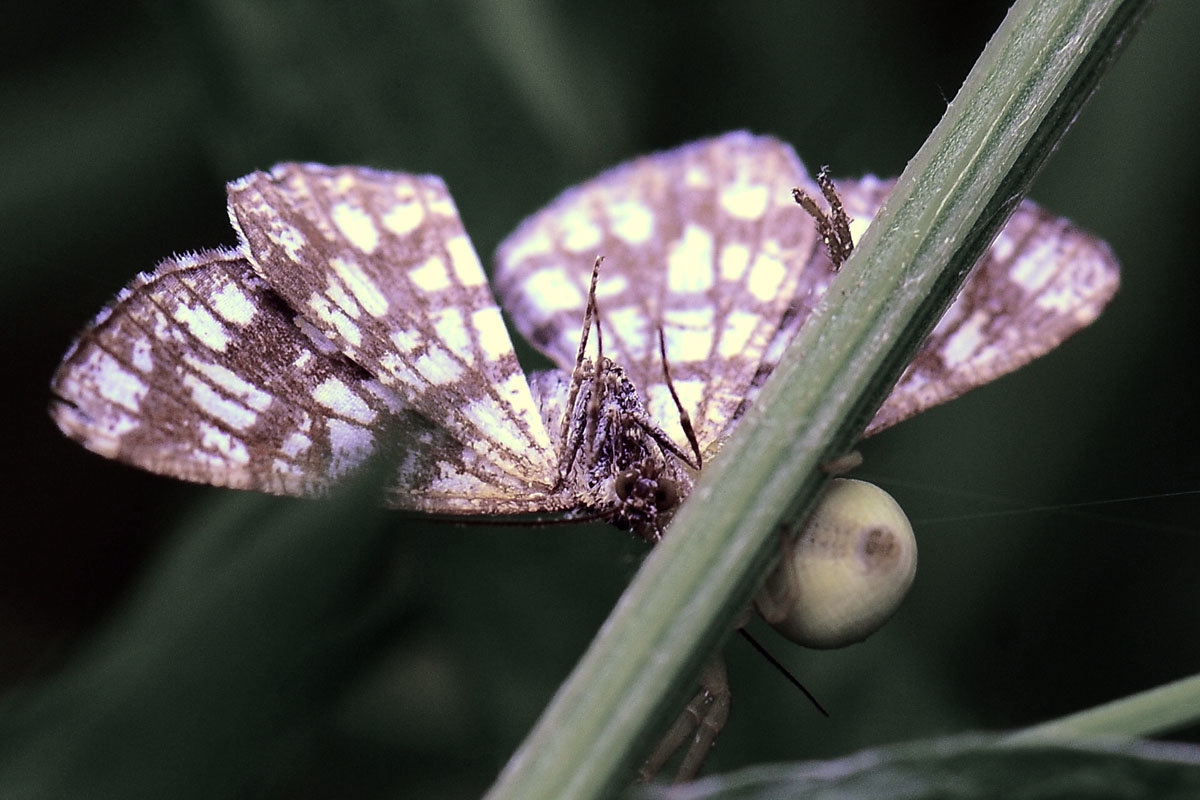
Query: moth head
{"type": "Point", "coordinates": [647, 498]}
{"type": "Point", "coordinates": [846, 571]}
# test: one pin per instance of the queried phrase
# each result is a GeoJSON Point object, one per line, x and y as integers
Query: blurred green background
{"type": "Point", "coordinates": [177, 640]}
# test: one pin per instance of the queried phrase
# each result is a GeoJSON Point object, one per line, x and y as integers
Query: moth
{"type": "Point", "coordinates": [353, 320]}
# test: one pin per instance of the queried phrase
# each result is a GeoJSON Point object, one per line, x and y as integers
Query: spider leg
{"type": "Point", "coordinates": [700, 721]}
{"type": "Point", "coordinates": [834, 227]}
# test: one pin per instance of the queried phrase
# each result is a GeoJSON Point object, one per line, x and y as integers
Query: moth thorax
{"type": "Point", "coordinates": [646, 500]}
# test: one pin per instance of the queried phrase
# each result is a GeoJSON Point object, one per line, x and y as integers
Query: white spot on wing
{"type": "Point", "coordinates": [440, 202]}
{"type": "Point", "coordinates": [662, 405]}
{"type": "Point", "coordinates": [766, 276]}
{"type": "Point", "coordinates": [340, 398]}
{"type": "Point", "coordinates": [1034, 268]}
{"type": "Point", "coordinates": [344, 301]}
{"type": "Point", "coordinates": [223, 442]}
{"type": "Point", "coordinates": [295, 444]}
{"type": "Point", "coordinates": [632, 223]}
{"type": "Point", "coordinates": [233, 305]}
{"type": "Point", "coordinates": [361, 286]}
{"type": "Point", "coordinates": [858, 226]}
{"type": "Point", "coordinates": [686, 345]}
{"type": "Point", "coordinates": [689, 335]}
{"type": "Point", "coordinates": [114, 382]}
{"type": "Point", "coordinates": [515, 391]}
{"type": "Point", "coordinates": [580, 233]}
{"type": "Point", "coordinates": [203, 325]}
{"type": "Point", "coordinates": [141, 355]}
{"type": "Point", "coordinates": [431, 276]}
{"type": "Point", "coordinates": [552, 291]}
{"type": "Point", "coordinates": [231, 383]}
{"type": "Point", "coordinates": [467, 268]}
{"type": "Point", "coordinates": [689, 261]}
{"type": "Point", "coordinates": [735, 257]}
{"type": "Point", "coordinates": [534, 244]}
{"type": "Point", "coordinates": [287, 237]}
{"type": "Point", "coordinates": [350, 445]}
{"type": "Point", "coordinates": [210, 402]}
{"type": "Point", "coordinates": [406, 341]}
{"type": "Point", "coordinates": [356, 225]}
{"type": "Point", "coordinates": [633, 326]}
{"type": "Point", "coordinates": [739, 325]}
{"type": "Point", "coordinates": [1003, 247]}
{"type": "Point", "coordinates": [697, 178]}
{"type": "Point", "coordinates": [336, 318]}
{"type": "Point", "coordinates": [611, 285]}
{"type": "Point", "coordinates": [397, 369]}
{"type": "Point", "coordinates": [1066, 300]}
{"type": "Point", "coordinates": [450, 327]}
{"type": "Point", "coordinates": [745, 200]}
{"type": "Point", "coordinates": [965, 341]}
{"type": "Point", "coordinates": [438, 367]}
{"type": "Point", "coordinates": [404, 217]}
{"type": "Point", "coordinates": [491, 417]}
{"type": "Point", "coordinates": [491, 334]}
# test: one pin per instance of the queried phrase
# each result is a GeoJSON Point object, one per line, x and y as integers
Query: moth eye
{"type": "Point", "coordinates": [666, 494]}
{"type": "Point", "coordinates": [623, 483]}
{"type": "Point", "coordinates": [847, 571]}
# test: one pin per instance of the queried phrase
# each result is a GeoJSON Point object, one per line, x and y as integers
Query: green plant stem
{"type": "Point", "coordinates": [1028, 84]}
{"type": "Point", "coordinates": [1163, 708]}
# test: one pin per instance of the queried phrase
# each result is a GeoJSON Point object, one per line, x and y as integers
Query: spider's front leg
{"type": "Point", "coordinates": [701, 720]}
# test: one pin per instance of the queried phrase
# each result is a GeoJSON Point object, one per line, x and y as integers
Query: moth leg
{"type": "Point", "coordinates": [701, 720]}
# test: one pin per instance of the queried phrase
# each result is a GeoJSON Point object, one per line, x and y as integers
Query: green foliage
{"type": "Point", "coordinates": [963, 768]}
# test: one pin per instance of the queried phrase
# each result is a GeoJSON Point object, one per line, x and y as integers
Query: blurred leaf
{"type": "Point", "coordinates": [1159, 710]}
{"type": "Point", "coordinates": [963, 768]}
{"type": "Point", "coordinates": [248, 627]}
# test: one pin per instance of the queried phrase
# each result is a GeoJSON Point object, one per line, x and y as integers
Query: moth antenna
{"type": "Point", "coordinates": [589, 311]}
{"type": "Point", "coordinates": [595, 315]}
{"type": "Point", "coordinates": [599, 329]}
{"type": "Point", "coordinates": [576, 379]}
{"type": "Point", "coordinates": [685, 419]}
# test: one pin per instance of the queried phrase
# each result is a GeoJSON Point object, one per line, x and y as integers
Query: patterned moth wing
{"type": "Point", "coordinates": [201, 371]}
{"type": "Point", "coordinates": [703, 242]}
{"type": "Point", "coordinates": [1039, 282]}
{"type": "Point", "coordinates": [380, 264]}
{"type": "Point", "coordinates": [159, 381]}
{"type": "Point", "coordinates": [355, 320]}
